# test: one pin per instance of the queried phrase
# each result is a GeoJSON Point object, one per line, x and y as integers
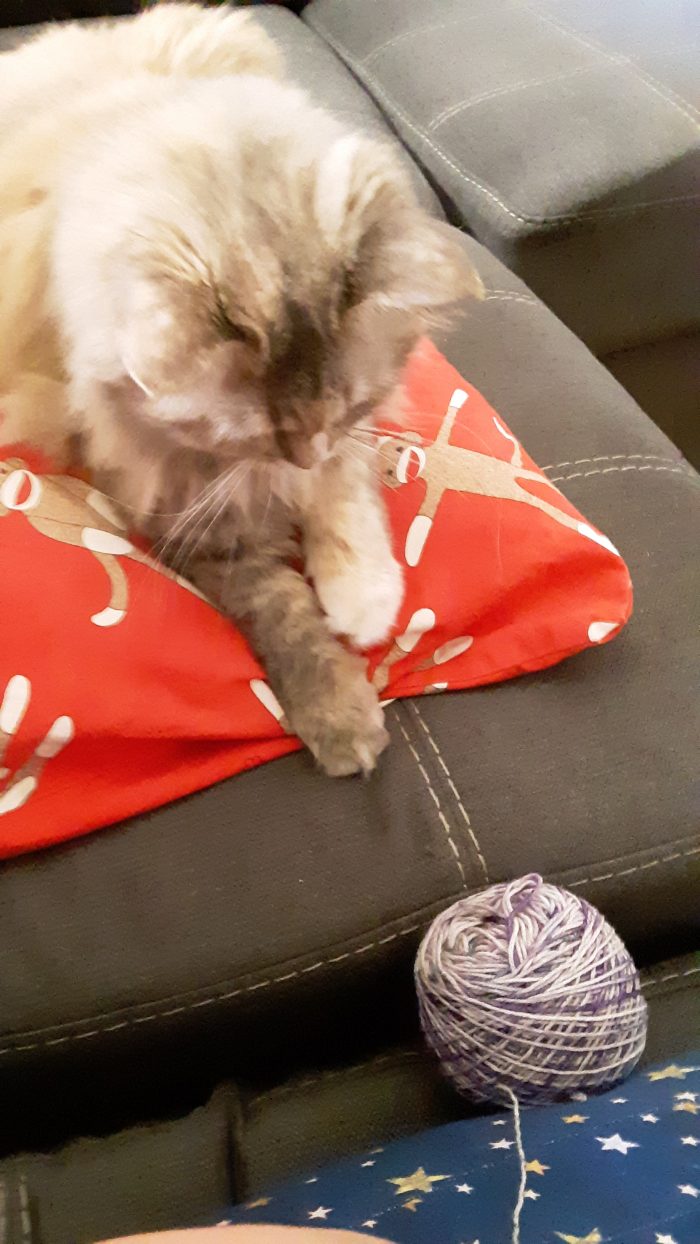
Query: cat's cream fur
{"type": "Point", "coordinates": [208, 285]}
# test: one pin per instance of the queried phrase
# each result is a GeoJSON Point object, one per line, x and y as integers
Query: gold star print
{"type": "Point", "coordinates": [593, 1237]}
{"type": "Point", "coordinates": [261, 1202]}
{"type": "Point", "coordinates": [574, 1118]}
{"type": "Point", "coordinates": [688, 1106]}
{"type": "Point", "coordinates": [413, 1204]}
{"type": "Point", "coordinates": [536, 1167]}
{"type": "Point", "coordinates": [672, 1072]}
{"type": "Point", "coordinates": [417, 1182]}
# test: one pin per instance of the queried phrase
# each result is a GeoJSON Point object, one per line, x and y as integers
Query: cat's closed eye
{"type": "Point", "coordinates": [228, 329]}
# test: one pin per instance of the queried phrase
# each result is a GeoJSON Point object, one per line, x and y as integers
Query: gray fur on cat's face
{"type": "Point", "coordinates": [288, 292]}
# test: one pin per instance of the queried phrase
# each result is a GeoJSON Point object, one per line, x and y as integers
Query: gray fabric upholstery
{"type": "Point", "coordinates": [564, 134]}
{"type": "Point", "coordinates": [664, 377]}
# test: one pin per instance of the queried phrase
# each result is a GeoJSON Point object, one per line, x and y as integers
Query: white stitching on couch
{"type": "Point", "coordinates": [547, 221]}
{"type": "Point", "coordinates": [470, 828]}
{"type": "Point", "coordinates": [212, 999]}
{"type": "Point", "coordinates": [441, 815]}
{"type": "Point", "coordinates": [635, 868]}
{"type": "Point", "coordinates": [649, 981]}
{"type": "Point", "coordinates": [463, 105]}
{"type": "Point", "coordinates": [298, 972]}
{"type": "Point", "coordinates": [558, 479]}
{"type": "Point", "coordinates": [463, 19]}
{"type": "Point", "coordinates": [556, 466]}
{"type": "Point", "coordinates": [665, 92]}
{"type": "Point", "coordinates": [508, 296]}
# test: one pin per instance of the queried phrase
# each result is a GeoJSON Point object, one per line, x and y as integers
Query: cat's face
{"type": "Point", "coordinates": [265, 322]}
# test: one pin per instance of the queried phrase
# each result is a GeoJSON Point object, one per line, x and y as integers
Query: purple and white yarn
{"type": "Point", "coordinates": [526, 989]}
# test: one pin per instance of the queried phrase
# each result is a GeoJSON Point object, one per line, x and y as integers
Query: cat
{"type": "Point", "coordinates": [208, 285]}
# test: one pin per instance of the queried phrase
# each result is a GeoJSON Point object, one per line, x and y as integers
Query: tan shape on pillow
{"type": "Point", "coordinates": [420, 622]}
{"type": "Point", "coordinates": [71, 511]}
{"type": "Point", "coordinates": [447, 467]}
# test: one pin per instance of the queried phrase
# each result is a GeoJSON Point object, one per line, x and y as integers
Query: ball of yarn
{"type": "Point", "coordinates": [525, 988]}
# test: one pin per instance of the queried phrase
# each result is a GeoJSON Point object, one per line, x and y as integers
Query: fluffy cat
{"type": "Point", "coordinates": [207, 286]}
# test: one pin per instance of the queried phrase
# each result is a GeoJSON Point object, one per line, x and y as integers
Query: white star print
{"type": "Point", "coordinates": [532, 1195]}
{"type": "Point", "coordinates": [498, 1123]}
{"type": "Point", "coordinates": [313, 1181]}
{"type": "Point", "coordinates": [464, 1188]}
{"type": "Point", "coordinates": [321, 1212]}
{"type": "Point", "coordinates": [685, 1096]}
{"type": "Point", "coordinates": [370, 1224]}
{"type": "Point", "coordinates": [688, 1190]}
{"type": "Point", "coordinates": [649, 1118]}
{"type": "Point", "coordinates": [616, 1142]}
{"type": "Point", "coordinates": [369, 1163]}
{"type": "Point", "coordinates": [690, 1140]}
{"type": "Point", "coordinates": [501, 1144]}
{"type": "Point", "coordinates": [618, 1101]}
{"type": "Point", "coordinates": [664, 1239]}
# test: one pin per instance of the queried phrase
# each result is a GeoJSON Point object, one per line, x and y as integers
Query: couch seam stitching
{"type": "Point", "coordinates": [558, 479]}
{"type": "Point", "coordinates": [636, 868]}
{"type": "Point", "coordinates": [650, 980]}
{"type": "Point", "coordinates": [434, 796]}
{"type": "Point", "coordinates": [549, 221]}
{"type": "Point", "coordinates": [212, 999]}
{"type": "Point", "coordinates": [556, 466]}
{"type": "Point", "coordinates": [675, 101]}
{"type": "Point", "coordinates": [450, 782]}
{"type": "Point", "coordinates": [502, 296]}
{"type": "Point", "coordinates": [462, 106]}
{"type": "Point", "coordinates": [465, 19]}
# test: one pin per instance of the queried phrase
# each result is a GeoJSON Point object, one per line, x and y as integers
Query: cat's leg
{"type": "Point", "coordinates": [322, 688]}
{"type": "Point", "coordinates": [348, 552]}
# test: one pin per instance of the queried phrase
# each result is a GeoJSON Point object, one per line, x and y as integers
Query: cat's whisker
{"type": "Point", "coordinates": [192, 514]}
{"type": "Point", "coordinates": [207, 512]}
{"type": "Point", "coordinates": [389, 434]}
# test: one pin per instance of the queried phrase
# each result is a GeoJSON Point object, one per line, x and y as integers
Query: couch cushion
{"type": "Point", "coordinates": [257, 919]}
{"type": "Point", "coordinates": [563, 133]}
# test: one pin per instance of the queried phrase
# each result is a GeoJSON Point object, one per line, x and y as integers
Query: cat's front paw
{"type": "Point", "coordinates": [361, 597]}
{"type": "Point", "coordinates": [341, 721]}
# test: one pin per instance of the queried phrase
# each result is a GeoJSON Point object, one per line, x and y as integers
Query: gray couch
{"type": "Point", "coordinates": [209, 997]}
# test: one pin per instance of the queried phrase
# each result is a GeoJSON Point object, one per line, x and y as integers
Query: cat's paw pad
{"type": "Point", "coordinates": [342, 724]}
{"type": "Point", "coordinates": [362, 599]}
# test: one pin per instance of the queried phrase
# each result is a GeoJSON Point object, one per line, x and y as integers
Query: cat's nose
{"type": "Point", "coordinates": [307, 452]}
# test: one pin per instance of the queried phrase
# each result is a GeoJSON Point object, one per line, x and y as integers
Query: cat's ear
{"type": "Point", "coordinates": [421, 268]}
{"type": "Point", "coordinates": [396, 255]}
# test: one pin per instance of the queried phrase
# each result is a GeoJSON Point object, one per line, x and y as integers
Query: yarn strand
{"type": "Point", "coordinates": [517, 1211]}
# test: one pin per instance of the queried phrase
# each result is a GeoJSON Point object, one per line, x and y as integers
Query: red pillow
{"type": "Point", "coordinates": [121, 689]}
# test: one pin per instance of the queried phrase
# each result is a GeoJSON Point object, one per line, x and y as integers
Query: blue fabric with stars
{"type": "Point", "coordinates": [622, 1167]}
